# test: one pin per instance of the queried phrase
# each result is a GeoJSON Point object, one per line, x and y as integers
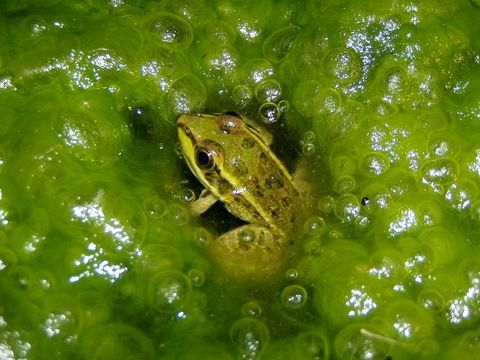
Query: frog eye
{"type": "Point", "coordinates": [204, 158]}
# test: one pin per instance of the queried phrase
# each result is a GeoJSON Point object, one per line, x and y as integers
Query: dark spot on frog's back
{"type": "Point", "coordinates": [273, 181]}
{"type": "Point", "coordinates": [254, 186]}
{"type": "Point", "coordinates": [275, 212]}
{"type": "Point", "coordinates": [258, 192]}
{"type": "Point", "coordinates": [263, 157]}
{"type": "Point", "coordinates": [248, 143]}
{"type": "Point", "coordinates": [286, 201]}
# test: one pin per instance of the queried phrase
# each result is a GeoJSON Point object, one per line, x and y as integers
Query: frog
{"type": "Point", "coordinates": [231, 157]}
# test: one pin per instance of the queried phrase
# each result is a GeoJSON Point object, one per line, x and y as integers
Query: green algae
{"type": "Point", "coordinates": [99, 255]}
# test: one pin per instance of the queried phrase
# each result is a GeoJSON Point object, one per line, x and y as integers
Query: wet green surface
{"type": "Point", "coordinates": [99, 255]}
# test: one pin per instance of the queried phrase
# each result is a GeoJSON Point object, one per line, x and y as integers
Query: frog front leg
{"type": "Point", "coordinates": [203, 203]}
{"type": "Point", "coordinates": [249, 253]}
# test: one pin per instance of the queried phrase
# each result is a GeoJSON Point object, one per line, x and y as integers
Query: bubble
{"type": "Point", "coordinates": [470, 340]}
{"type": "Point", "coordinates": [344, 66]}
{"type": "Point", "coordinates": [197, 277]}
{"type": "Point", "coordinates": [473, 162]}
{"type": "Point", "coordinates": [89, 134]}
{"type": "Point", "coordinates": [409, 320]}
{"type": "Point", "coordinates": [443, 143]}
{"type": "Point", "coordinates": [155, 207]}
{"type": "Point", "coordinates": [308, 136]}
{"type": "Point", "coordinates": [171, 29]}
{"type": "Point", "coordinates": [314, 225]}
{"type": "Point", "coordinates": [426, 348]}
{"type": "Point", "coordinates": [308, 143]}
{"type": "Point", "coordinates": [163, 64]}
{"type": "Point", "coordinates": [186, 195]}
{"type": "Point", "coordinates": [386, 266]}
{"type": "Point", "coordinates": [401, 182]}
{"type": "Point", "coordinates": [178, 213]}
{"type": "Point", "coordinates": [418, 259]}
{"type": "Point", "coordinates": [283, 107]}
{"type": "Point", "coordinates": [268, 91]}
{"type": "Point", "coordinates": [36, 25]}
{"type": "Point", "coordinates": [221, 32]}
{"type": "Point", "coordinates": [325, 204]}
{"type": "Point", "coordinates": [269, 113]}
{"type": "Point", "coordinates": [250, 337]}
{"type": "Point", "coordinates": [116, 341]}
{"type": "Point", "coordinates": [396, 85]}
{"type": "Point", "coordinates": [431, 299]}
{"type": "Point", "coordinates": [313, 248]}
{"type": "Point", "coordinates": [242, 96]}
{"type": "Point", "coordinates": [278, 44]}
{"type": "Point", "coordinates": [246, 236]}
{"type": "Point", "coordinates": [429, 213]}
{"type": "Point", "coordinates": [374, 164]}
{"type": "Point", "coordinates": [344, 184]}
{"type": "Point", "coordinates": [347, 208]}
{"type": "Point", "coordinates": [252, 309]}
{"type": "Point", "coordinates": [335, 235]}
{"type": "Point", "coordinates": [461, 194]}
{"type": "Point", "coordinates": [293, 297]}
{"type": "Point", "coordinates": [441, 243]}
{"type": "Point", "coordinates": [202, 236]}
{"type": "Point", "coordinates": [22, 276]}
{"type": "Point", "coordinates": [291, 274]}
{"type": "Point", "coordinates": [342, 165]}
{"type": "Point", "coordinates": [400, 219]}
{"type": "Point", "coordinates": [63, 316]}
{"type": "Point", "coordinates": [168, 290]}
{"type": "Point", "coordinates": [191, 10]}
{"type": "Point", "coordinates": [187, 95]}
{"type": "Point", "coordinates": [362, 221]}
{"type": "Point", "coordinates": [462, 304]}
{"type": "Point", "coordinates": [46, 280]}
{"type": "Point", "coordinates": [362, 341]}
{"type": "Point", "coordinates": [313, 345]}
{"type": "Point", "coordinates": [474, 211]}
{"type": "Point", "coordinates": [429, 87]}
{"type": "Point", "coordinates": [308, 148]}
{"type": "Point", "coordinates": [303, 97]}
{"type": "Point", "coordinates": [346, 120]}
{"type": "Point", "coordinates": [257, 70]}
{"type": "Point", "coordinates": [440, 171]}
{"type": "Point", "coordinates": [8, 258]}
{"type": "Point", "coordinates": [325, 102]}
{"type": "Point", "coordinates": [221, 64]}
{"type": "Point", "coordinates": [382, 108]}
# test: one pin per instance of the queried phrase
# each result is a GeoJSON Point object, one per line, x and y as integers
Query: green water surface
{"type": "Point", "coordinates": [100, 257]}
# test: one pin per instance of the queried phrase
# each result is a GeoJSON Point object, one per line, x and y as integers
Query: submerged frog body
{"type": "Point", "coordinates": [233, 161]}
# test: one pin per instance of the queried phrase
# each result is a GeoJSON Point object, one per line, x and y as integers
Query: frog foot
{"type": "Point", "coordinates": [249, 253]}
